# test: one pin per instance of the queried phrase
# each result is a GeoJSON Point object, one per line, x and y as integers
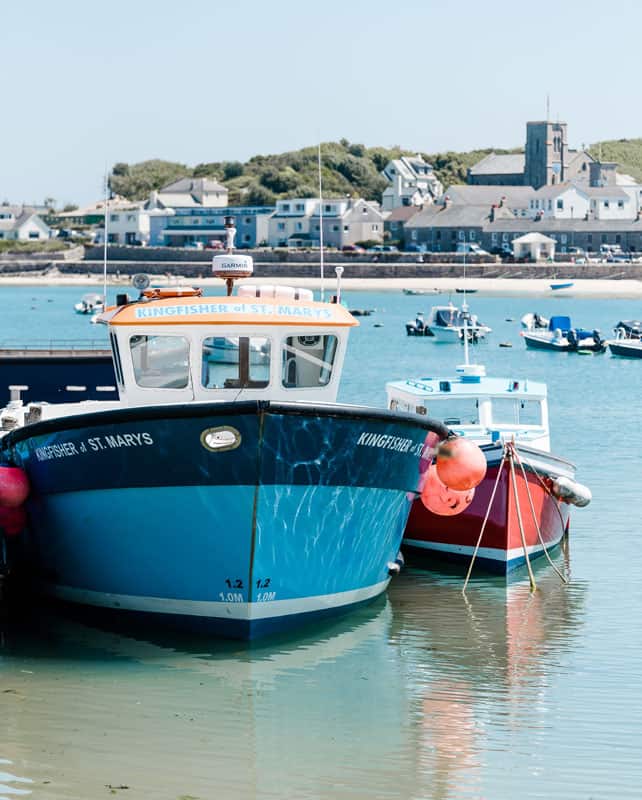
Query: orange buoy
{"type": "Point", "coordinates": [12, 520]}
{"type": "Point", "coordinates": [14, 486]}
{"type": "Point", "coordinates": [441, 499]}
{"type": "Point", "coordinates": [461, 465]}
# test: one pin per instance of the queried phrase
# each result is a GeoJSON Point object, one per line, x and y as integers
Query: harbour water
{"type": "Point", "coordinates": [425, 694]}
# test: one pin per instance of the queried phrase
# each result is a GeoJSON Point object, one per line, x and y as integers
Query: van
{"type": "Point", "coordinates": [472, 248]}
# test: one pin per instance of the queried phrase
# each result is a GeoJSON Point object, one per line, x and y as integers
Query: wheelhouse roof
{"type": "Point", "coordinates": [230, 311]}
{"type": "Point", "coordinates": [434, 388]}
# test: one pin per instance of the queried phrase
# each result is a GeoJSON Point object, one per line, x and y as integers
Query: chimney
{"type": "Point", "coordinates": [502, 200]}
{"type": "Point", "coordinates": [447, 201]}
{"type": "Point", "coordinates": [492, 212]}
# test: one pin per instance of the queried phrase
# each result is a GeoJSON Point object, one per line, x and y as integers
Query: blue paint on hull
{"type": "Point", "coordinates": [301, 519]}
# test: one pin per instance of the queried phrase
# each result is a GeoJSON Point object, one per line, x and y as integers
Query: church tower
{"type": "Point", "coordinates": [546, 154]}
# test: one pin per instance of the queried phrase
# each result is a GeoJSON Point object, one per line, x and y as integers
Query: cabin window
{"type": "Point", "coordinates": [455, 410]}
{"type": "Point", "coordinates": [236, 362]}
{"type": "Point", "coordinates": [513, 411]}
{"type": "Point", "coordinates": [118, 369]}
{"type": "Point", "coordinates": [308, 360]}
{"type": "Point", "coordinates": [160, 362]}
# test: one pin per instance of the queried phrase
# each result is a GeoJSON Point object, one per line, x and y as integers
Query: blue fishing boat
{"type": "Point", "coordinates": [230, 494]}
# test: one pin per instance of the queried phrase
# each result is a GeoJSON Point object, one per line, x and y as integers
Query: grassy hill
{"type": "Point", "coordinates": [348, 169]}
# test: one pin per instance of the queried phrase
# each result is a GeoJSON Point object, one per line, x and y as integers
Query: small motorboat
{"type": "Point", "coordinates": [628, 339]}
{"type": "Point", "coordinates": [533, 321]}
{"type": "Point", "coordinates": [418, 327]}
{"type": "Point", "coordinates": [361, 312]}
{"type": "Point", "coordinates": [420, 291]}
{"type": "Point", "coordinates": [527, 488]}
{"type": "Point", "coordinates": [559, 286]}
{"type": "Point", "coordinates": [446, 324]}
{"type": "Point", "coordinates": [90, 304]}
{"type": "Point", "coordinates": [461, 290]}
{"type": "Point", "coordinates": [560, 335]}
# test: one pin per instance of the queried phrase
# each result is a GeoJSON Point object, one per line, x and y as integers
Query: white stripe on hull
{"type": "Point", "coordinates": [491, 553]}
{"type": "Point", "coordinates": [215, 609]}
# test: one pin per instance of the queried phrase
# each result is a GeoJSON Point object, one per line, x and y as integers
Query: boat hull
{"type": "Point", "coordinates": [626, 349]}
{"type": "Point", "coordinates": [543, 342]}
{"type": "Point", "coordinates": [299, 514]}
{"type": "Point", "coordinates": [501, 549]}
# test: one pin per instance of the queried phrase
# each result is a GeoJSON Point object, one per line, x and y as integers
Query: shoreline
{"type": "Point", "coordinates": [582, 287]}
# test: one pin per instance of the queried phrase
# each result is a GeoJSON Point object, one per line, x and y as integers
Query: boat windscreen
{"type": "Point", "coordinates": [447, 316]}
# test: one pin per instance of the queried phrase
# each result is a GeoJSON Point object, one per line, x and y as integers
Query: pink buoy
{"type": "Point", "coordinates": [14, 486]}
{"type": "Point", "coordinates": [461, 465]}
{"type": "Point", "coordinates": [12, 520]}
{"type": "Point", "coordinates": [441, 499]}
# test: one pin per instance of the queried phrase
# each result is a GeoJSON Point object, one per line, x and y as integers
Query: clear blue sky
{"type": "Point", "coordinates": [90, 83]}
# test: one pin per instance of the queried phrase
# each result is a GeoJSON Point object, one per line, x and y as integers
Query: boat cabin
{"type": "Point", "coordinates": [472, 405]}
{"type": "Point", "coordinates": [271, 343]}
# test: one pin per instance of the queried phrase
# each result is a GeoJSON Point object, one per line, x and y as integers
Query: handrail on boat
{"type": "Point", "coordinates": [54, 344]}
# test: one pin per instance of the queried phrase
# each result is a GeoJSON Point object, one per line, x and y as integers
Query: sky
{"type": "Point", "coordinates": [86, 84]}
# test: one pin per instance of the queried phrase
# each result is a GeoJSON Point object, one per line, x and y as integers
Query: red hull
{"type": "Point", "coordinates": [501, 546]}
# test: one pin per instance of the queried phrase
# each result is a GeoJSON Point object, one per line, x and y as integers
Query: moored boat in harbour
{"type": "Point", "coordinates": [558, 334]}
{"type": "Point", "coordinates": [628, 339]}
{"type": "Point", "coordinates": [228, 495]}
{"type": "Point", "coordinates": [520, 510]}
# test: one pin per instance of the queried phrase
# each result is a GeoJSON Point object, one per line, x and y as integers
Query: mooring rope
{"type": "Point", "coordinates": [546, 489]}
{"type": "Point", "coordinates": [537, 528]}
{"type": "Point", "coordinates": [531, 577]}
{"type": "Point", "coordinates": [483, 527]}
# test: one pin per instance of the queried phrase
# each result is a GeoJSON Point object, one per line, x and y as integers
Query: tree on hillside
{"type": "Point", "coordinates": [136, 181]}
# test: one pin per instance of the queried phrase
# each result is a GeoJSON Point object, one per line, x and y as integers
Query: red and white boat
{"type": "Point", "coordinates": [522, 504]}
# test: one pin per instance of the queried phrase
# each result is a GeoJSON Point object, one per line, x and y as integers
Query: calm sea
{"type": "Point", "coordinates": [505, 694]}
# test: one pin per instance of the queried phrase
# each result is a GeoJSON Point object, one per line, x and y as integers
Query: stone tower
{"type": "Point", "coordinates": [546, 154]}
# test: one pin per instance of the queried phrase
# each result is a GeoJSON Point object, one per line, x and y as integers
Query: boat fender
{"type": "Point", "coordinates": [460, 464]}
{"type": "Point", "coordinates": [12, 520]}
{"type": "Point", "coordinates": [14, 486]}
{"type": "Point", "coordinates": [442, 500]}
{"type": "Point", "coordinates": [570, 491]}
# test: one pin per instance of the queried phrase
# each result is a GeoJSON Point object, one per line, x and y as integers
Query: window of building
{"type": "Point", "coordinates": [584, 167]}
{"type": "Point", "coordinates": [605, 238]}
{"type": "Point", "coordinates": [316, 228]}
{"type": "Point", "coordinates": [618, 238]}
{"type": "Point", "coordinates": [589, 237]}
{"type": "Point", "coordinates": [453, 235]}
{"type": "Point", "coordinates": [606, 204]}
{"type": "Point", "coordinates": [247, 237]}
{"type": "Point", "coordinates": [335, 228]}
{"type": "Point", "coordinates": [560, 204]}
{"type": "Point", "coordinates": [160, 362]}
{"type": "Point", "coordinates": [308, 360]}
{"type": "Point", "coordinates": [472, 235]}
{"type": "Point", "coordinates": [620, 203]}
{"type": "Point", "coordinates": [114, 217]}
{"type": "Point", "coordinates": [235, 362]}
{"type": "Point", "coordinates": [327, 209]}
{"type": "Point", "coordinates": [462, 236]}
{"type": "Point", "coordinates": [112, 238]}
{"type": "Point", "coordinates": [346, 228]}
{"type": "Point", "coordinates": [285, 207]}
{"type": "Point", "coordinates": [564, 238]}
{"type": "Point", "coordinates": [299, 207]}
{"type": "Point", "coordinates": [34, 235]}
{"type": "Point", "coordinates": [413, 235]}
{"type": "Point", "coordinates": [504, 237]}
{"type": "Point", "coordinates": [280, 226]}
{"type": "Point", "coordinates": [550, 204]}
{"type": "Point", "coordinates": [493, 238]}
{"type": "Point", "coordinates": [248, 220]}
{"type": "Point", "coordinates": [437, 235]}
{"type": "Point", "coordinates": [298, 226]}
{"type": "Point", "coordinates": [1, 235]}
{"type": "Point", "coordinates": [375, 227]}
{"type": "Point", "coordinates": [131, 217]}
{"type": "Point", "coordinates": [364, 210]}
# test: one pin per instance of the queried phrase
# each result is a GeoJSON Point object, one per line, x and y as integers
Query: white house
{"type": "Point", "coordinates": [297, 222]}
{"type": "Point", "coordinates": [412, 183]}
{"type": "Point", "coordinates": [20, 223]}
{"type": "Point", "coordinates": [534, 246]}
{"type": "Point", "coordinates": [578, 201]}
{"type": "Point", "coordinates": [190, 193]}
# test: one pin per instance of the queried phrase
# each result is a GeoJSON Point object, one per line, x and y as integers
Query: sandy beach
{"type": "Point", "coordinates": [488, 286]}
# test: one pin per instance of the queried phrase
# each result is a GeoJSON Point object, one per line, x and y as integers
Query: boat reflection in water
{"type": "Point", "coordinates": [482, 667]}
{"type": "Point", "coordinates": [411, 697]}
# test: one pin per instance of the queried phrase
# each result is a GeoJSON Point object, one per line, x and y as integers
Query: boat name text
{"type": "Point", "coordinates": [93, 444]}
{"type": "Point", "coordinates": [386, 442]}
{"type": "Point", "coordinates": [265, 310]}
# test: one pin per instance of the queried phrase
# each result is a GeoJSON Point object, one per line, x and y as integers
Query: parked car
{"type": "Point", "coordinates": [472, 248]}
{"type": "Point", "coordinates": [215, 244]}
{"type": "Point", "coordinates": [193, 245]}
{"type": "Point", "coordinates": [352, 248]}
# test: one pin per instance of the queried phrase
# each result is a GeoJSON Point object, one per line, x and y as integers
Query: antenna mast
{"type": "Point", "coordinates": [321, 228]}
{"type": "Point", "coordinates": [106, 237]}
